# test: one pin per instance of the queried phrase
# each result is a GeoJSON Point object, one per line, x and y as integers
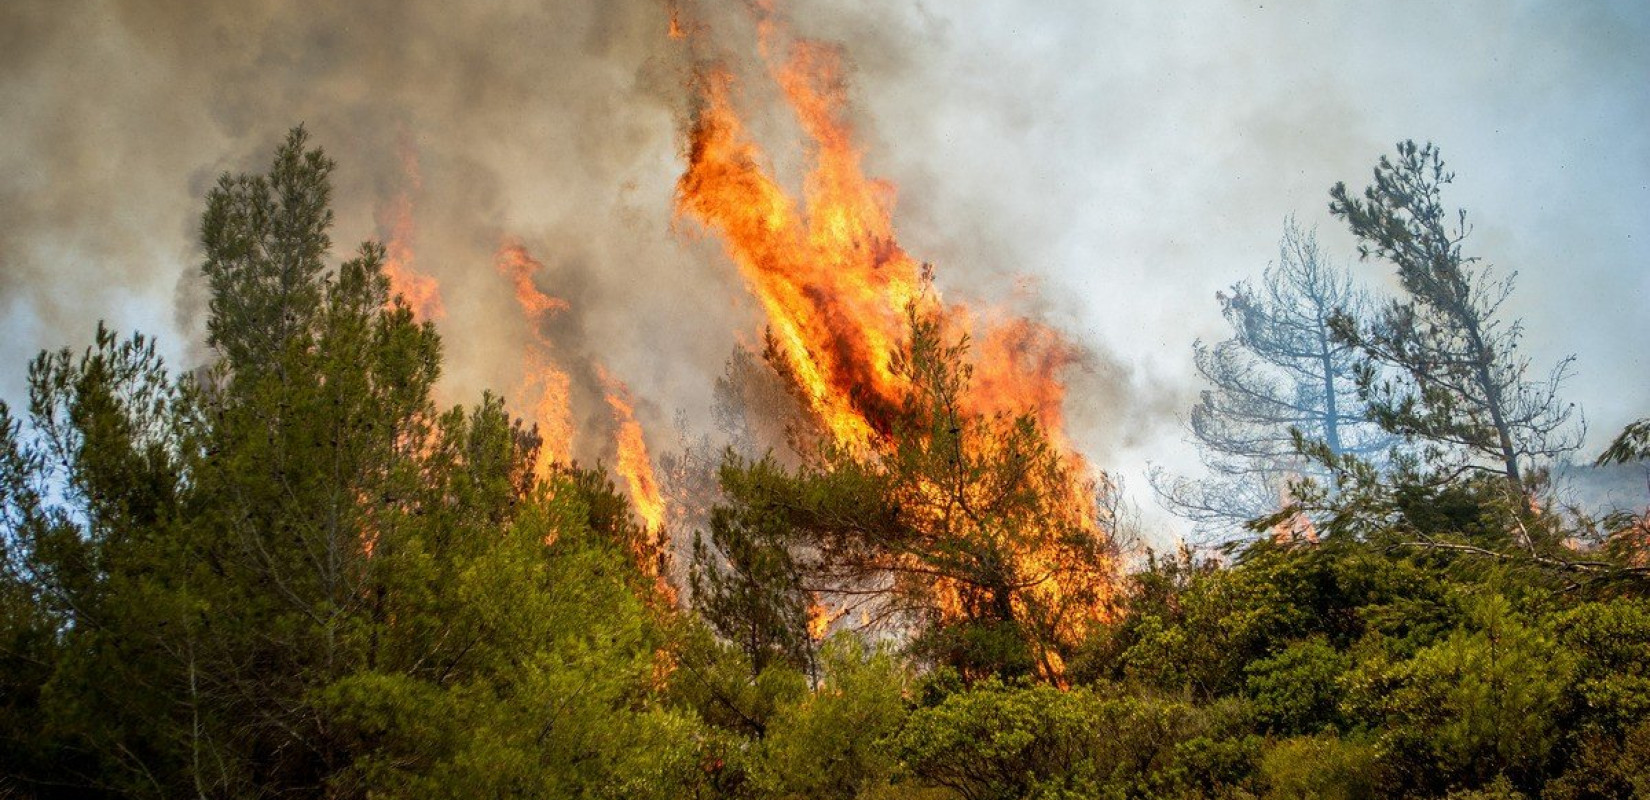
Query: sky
{"type": "Point", "coordinates": [1105, 166]}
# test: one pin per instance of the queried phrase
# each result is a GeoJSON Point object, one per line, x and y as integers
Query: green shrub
{"type": "Point", "coordinates": [1325, 766]}
{"type": "Point", "coordinates": [1297, 691]}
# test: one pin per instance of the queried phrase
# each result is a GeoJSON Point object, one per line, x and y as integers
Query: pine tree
{"type": "Point", "coordinates": [288, 575]}
{"type": "Point", "coordinates": [1466, 392]}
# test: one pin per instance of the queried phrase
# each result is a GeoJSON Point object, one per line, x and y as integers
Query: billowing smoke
{"type": "Point", "coordinates": [554, 126]}
{"type": "Point", "coordinates": [1103, 168]}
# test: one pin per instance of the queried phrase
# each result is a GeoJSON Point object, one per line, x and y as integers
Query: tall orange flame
{"type": "Point", "coordinates": [421, 291]}
{"type": "Point", "coordinates": [542, 379]}
{"type": "Point", "coordinates": [634, 465]}
{"type": "Point", "coordinates": [636, 469]}
{"type": "Point", "coordinates": [835, 283]}
{"type": "Point", "coordinates": [833, 280]}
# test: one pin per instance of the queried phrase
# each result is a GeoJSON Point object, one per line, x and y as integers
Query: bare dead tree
{"type": "Point", "coordinates": [1282, 371]}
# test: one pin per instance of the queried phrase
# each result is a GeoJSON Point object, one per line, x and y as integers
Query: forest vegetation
{"type": "Point", "coordinates": [289, 573]}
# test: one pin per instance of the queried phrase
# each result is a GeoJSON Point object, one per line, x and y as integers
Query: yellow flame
{"type": "Point", "coordinates": [635, 467]}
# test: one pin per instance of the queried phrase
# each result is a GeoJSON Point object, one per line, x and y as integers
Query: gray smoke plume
{"type": "Point", "coordinates": [1123, 160]}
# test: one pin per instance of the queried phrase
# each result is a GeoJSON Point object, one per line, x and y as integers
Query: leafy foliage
{"type": "Point", "coordinates": [289, 574]}
{"type": "Point", "coordinates": [1633, 444]}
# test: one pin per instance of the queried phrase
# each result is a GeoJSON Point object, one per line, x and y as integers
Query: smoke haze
{"type": "Point", "coordinates": [1105, 167]}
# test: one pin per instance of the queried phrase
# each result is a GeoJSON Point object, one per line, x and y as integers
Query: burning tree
{"type": "Point", "coordinates": [944, 493]}
{"type": "Point", "coordinates": [968, 529]}
{"type": "Point", "coordinates": [1282, 373]}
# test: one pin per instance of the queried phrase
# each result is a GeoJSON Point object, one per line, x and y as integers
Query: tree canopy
{"type": "Point", "coordinates": [289, 573]}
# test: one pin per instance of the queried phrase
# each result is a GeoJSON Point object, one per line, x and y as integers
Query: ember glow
{"type": "Point", "coordinates": [820, 619]}
{"type": "Point", "coordinates": [1297, 527]}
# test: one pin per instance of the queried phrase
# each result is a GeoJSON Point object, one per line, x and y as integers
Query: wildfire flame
{"type": "Point", "coordinates": [1298, 527]}
{"type": "Point", "coordinates": [421, 292]}
{"type": "Point", "coordinates": [820, 619]}
{"type": "Point", "coordinates": [542, 378]}
{"type": "Point", "coordinates": [676, 31]}
{"type": "Point", "coordinates": [634, 465]}
{"type": "Point", "coordinates": [636, 469]}
{"type": "Point", "coordinates": [836, 285]}
{"type": "Point", "coordinates": [833, 280]}
{"type": "Point", "coordinates": [546, 381]}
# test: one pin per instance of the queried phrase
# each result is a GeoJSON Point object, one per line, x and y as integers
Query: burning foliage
{"type": "Point", "coordinates": [997, 518]}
